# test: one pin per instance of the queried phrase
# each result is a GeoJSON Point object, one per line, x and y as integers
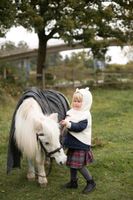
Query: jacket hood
{"type": "Point", "coordinates": [87, 98]}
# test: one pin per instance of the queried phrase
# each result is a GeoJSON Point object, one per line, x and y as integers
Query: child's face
{"type": "Point", "coordinates": [76, 104]}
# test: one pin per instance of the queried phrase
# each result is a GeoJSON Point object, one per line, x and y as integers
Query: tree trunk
{"type": "Point", "coordinates": [42, 50]}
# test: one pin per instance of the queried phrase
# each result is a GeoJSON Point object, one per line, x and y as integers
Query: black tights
{"type": "Point", "coordinates": [84, 171]}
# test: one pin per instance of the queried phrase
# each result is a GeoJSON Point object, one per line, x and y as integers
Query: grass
{"type": "Point", "coordinates": [112, 170]}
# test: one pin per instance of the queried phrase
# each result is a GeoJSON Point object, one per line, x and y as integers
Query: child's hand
{"type": "Point", "coordinates": [65, 123]}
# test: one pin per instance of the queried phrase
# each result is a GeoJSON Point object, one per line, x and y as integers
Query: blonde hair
{"type": "Point", "coordinates": [77, 96]}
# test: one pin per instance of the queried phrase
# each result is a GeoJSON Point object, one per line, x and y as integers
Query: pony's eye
{"type": "Point", "coordinates": [47, 143]}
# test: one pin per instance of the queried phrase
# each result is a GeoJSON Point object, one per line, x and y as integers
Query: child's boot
{"type": "Point", "coordinates": [89, 187]}
{"type": "Point", "coordinates": [72, 184]}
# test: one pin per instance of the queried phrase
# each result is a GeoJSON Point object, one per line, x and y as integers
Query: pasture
{"type": "Point", "coordinates": [112, 114]}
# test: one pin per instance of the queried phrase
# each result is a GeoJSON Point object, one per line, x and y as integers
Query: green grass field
{"type": "Point", "coordinates": [112, 114]}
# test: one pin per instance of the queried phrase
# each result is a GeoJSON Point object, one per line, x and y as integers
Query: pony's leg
{"type": "Point", "coordinates": [42, 180]}
{"type": "Point", "coordinates": [31, 170]}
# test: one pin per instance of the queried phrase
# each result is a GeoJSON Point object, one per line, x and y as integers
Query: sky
{"type": "Point", "coordinates": [20, 34]}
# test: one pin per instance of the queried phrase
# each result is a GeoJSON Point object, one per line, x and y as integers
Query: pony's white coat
{"type": "Point", "coordinates": [29, 121]}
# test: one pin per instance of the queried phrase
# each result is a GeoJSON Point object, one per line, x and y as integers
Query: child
{"type": "Point", "coordinates": [78, 140]}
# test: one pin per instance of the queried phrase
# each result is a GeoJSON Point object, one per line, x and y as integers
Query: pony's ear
{"type": "Point", "coordinates": [54, 116]}
{"type": "Point", "coordinates": [38, 126]}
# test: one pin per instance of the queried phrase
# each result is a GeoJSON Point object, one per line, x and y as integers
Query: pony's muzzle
{"type": "Point", "coordinates": [61, 163]}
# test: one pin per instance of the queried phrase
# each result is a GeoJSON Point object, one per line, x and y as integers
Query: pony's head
{"type": "Point", "coordinates": [48, 133]}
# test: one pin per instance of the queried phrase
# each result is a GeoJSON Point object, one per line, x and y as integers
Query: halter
{"type": "Point", "coordinates": [48, 154]}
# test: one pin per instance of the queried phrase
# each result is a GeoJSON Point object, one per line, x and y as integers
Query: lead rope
{"type": "Point", "coordinates": [62, 133]}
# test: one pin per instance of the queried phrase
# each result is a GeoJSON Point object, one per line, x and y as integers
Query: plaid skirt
{"type": "Point", "coordinates": [78, 158]}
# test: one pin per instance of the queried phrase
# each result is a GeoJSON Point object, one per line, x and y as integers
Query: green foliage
{"type": "Point", "coordinates": [7, 46]}
{"type": "Point", "coordinates": [14, 73]}
{"type": "Point", "coordinates": [9, 90]}
{"type": "Point", "coordinates": [7, 16]}
{"type": "Point", "coordinates": [112, 169]}
{"type": "Point", "coordinates": [10, 46]}
{"type": "Point", "coordinates": [53, 59]}
{"type": "Point", "coordinates": [94, 24]}
{"type": "Point", "coordinates": [120, 67]}
{"type": "Point", "coordinates": [79, 59]}
{"type": "Point", "coordinates": [22, 45]}
{"type": "Point", "coordinates": [15, 70]}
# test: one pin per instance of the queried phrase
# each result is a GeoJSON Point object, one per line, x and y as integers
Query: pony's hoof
{"type": "Point", "coordinates": [42, 182]}
{"type": "Point", "coordinates": [31, 177]}
{"type": "Point", "coordinates": [42, 185]}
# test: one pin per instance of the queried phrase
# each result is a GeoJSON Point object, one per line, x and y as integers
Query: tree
{"type": "Point", "coordinates": [7, 16]}
{"type": "Point", "coordinates": [8, 46]}
{"type": "Point", "coordinates": [22, 45]}
{"type": "Point", "coordinates": [92, 23]}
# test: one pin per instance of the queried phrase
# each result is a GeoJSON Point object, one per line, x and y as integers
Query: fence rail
{"type": "Point", "coordinates": [79, 77]}
{"type": "Point", "coordinates": [64, 76]}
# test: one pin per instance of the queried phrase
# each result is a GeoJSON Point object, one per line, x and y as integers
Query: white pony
{"type": "Point", "coordinates": [30, 123]}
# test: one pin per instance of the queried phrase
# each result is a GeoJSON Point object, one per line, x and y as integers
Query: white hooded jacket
{"type": "Point", "coordinates": [82, 114]}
